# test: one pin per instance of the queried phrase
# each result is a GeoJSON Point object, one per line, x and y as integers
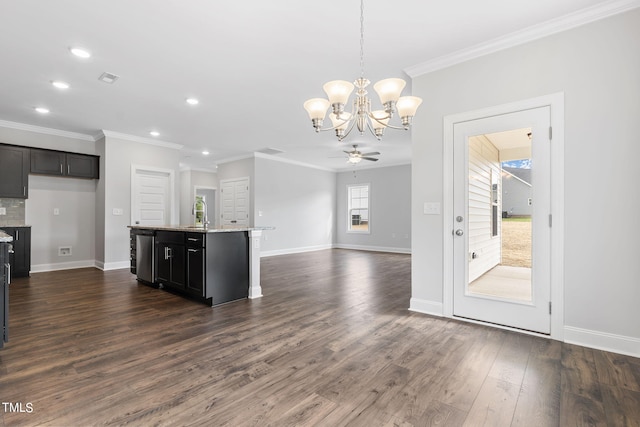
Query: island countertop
{"type": "Point", "coordinates": [5, 238]}
{"type": "Point", "coordinates": [195, 229]}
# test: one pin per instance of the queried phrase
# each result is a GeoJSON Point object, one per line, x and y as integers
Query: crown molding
{"type": "Point", "coordinates": [142, 140]}
{"type": "Point", "coordinates": [360, 166]}
{"type": "Point", "coordinates": [46, 131]}
{"type": "Point", "coordinates": [190, 169]}
{"type": "Point", "coordinates": [292, 162]}
{"type": "Point", "coordinates": [535, 32]}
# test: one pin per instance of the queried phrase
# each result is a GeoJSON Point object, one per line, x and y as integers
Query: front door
{"type": "Point", "coordinates": [489, 202]}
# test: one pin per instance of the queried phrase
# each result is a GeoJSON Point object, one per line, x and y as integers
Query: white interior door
{"type": "Point", "coordinates": [235, 202]}
{"type": "Point", "coordinates": [475, 221]}
{"type": "Point", "coordinates": [151, 198]}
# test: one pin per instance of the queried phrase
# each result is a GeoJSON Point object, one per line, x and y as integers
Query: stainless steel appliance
{"type": "Point", "coordinates": [145, 263]}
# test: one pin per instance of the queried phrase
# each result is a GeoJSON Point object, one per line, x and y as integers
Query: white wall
{"type": "Point", "coordinates": [390, 209]}
{"type": "Point", "coordinates": [597, 67]}
{"type": "Point", "coordinates": [74, 226]}
{"type": "Point", "coordinates": [298, 201]}
{"type": "Point", "coordinates": [115, 188]}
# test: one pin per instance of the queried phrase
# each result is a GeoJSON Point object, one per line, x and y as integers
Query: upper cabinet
{"type": "Point", "coordinates": [59, 163]}
{"type": "Point", "coordinates": [83, 166]}
{"type": "Point", "coordinates": [47, 162]}
{"type": "Point", "coordinates": [14, 172]}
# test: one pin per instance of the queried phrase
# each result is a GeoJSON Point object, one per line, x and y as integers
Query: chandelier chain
{"type": "Point", "coordinates": [362, 38]}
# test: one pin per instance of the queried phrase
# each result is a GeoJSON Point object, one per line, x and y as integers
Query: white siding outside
{"type": "Point", "coordinates": [484, 167]}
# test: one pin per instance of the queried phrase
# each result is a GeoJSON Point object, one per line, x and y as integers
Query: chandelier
{"type": "Point", "coordinates": [361, 115]}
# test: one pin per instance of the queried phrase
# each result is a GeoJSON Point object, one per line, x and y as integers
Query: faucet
{"type": "Point", "coordinates": [205, 220]}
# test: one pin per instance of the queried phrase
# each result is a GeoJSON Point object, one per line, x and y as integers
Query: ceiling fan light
{"type": "Point", "coordinates": [338, 91]}
{"type": "Point", "coordinates": [407, 106]}
{"type": "Point", "coordinates": [354, 159]}
{"type": "Point", "coordinates": [389, 89]}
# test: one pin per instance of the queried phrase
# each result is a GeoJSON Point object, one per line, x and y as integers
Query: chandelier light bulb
{"type": "Point", "coordinates": [389, 89]}
{"type": "Point", "coordinates": [317, 108]}
{"type": "Point", "coordinates": [338, 91]}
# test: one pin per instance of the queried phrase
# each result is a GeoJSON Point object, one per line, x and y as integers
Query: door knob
{"type": "Point", "coordinates": [459, 232]}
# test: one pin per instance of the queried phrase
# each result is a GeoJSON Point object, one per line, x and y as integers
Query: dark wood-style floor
{"type": "Point", "coordinates": [331, 343]}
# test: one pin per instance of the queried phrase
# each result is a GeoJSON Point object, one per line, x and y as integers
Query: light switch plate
{"type": "Point", "coordinates": [3, 211]}
{"type": "Point", "coordinates": [431, 208]}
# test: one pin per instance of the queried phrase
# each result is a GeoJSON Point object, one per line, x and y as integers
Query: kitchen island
{"type": "Point", "coordinates": [212, 265]}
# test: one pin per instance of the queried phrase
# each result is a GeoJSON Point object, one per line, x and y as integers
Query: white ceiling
{"type": "Point", "coordinates": [251, 64]}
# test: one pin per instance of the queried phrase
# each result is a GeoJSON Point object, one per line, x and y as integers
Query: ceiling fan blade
{"type": "Point", "coordinates": [347, 152]}
{"type": "Point", "coordinates": [373, 159]}
{"type": "Point", "coordinates": [374, 153]}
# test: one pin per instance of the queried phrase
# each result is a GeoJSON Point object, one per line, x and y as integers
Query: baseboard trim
{"type": "Point", "coordinates": [113, 265]}
{"type": "Point", "coordinates": [602, 341]}
{"type": "Point", "coordinates": [41, 268]}
{"type": "Point", "coordinates": [373, 248]}
{"type": "Point", "coordinates": [433, 308]}
{"type": "Point", "coordinates": [264, 254]}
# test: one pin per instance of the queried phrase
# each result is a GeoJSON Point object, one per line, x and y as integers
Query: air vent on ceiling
{"type": "Point", "coordinates": [271, 151]}
{"type": "Point", "coordinates": [108, 78]}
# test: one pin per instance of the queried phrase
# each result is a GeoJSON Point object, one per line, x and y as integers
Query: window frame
{"type": "Point", "coordinates": [349, 217]}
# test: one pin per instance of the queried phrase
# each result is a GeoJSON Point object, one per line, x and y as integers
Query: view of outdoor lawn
{"type": "Point", "coordinates": [516, 242]}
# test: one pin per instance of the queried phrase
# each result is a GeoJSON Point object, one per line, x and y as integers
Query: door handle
{"type": "Point", "coordinates": [459, 232]}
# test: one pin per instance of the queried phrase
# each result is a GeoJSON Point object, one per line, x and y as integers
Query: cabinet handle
{"type": "Point", "coordinates": [68, 169]}
{"type": "Point", "coordinates": [169, 252]}
{"type": "Point", "coordinates": [60, 168]}
{"type": "Point", "coordinates": [191, 239]}
{"type": "Point", "coordinates": [17, 234]}
{"type": "Point", "coordinates": [166, 253]}
{"type": "Point", "coordinates": [192, 250]}
{"type": "Point", "coordinates": [24, 191]}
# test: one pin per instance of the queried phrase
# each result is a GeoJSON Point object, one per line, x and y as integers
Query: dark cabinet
{"type": "Point", "coordinates": [47, 162]}
{"type": "Point", "coordinates": [59, 163]}
{"type": "Point", "coordinates": [4, 293]}
{"type": "Point", "coordinates": [196, 264]}
{"type": "Point", "coordinates": [82, 166]}
{"type": "Point", "coordinates": [20, 259]}
{"type": "Point", "coordinates": [170, 259]}
{"type": "Point", "coordinates": [14, 172]}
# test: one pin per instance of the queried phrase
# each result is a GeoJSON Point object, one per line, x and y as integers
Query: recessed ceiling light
{"type": "Point", "coordinates": [60, 85]}
{"type": "Point", "coordinates": [205, 152]}
{"type": "Point", "coordinates": [80, 52]}
{"type": "Point", "coordinates": [154, 133]}
{"type": "Point", "coordinates": [192, 101]}
{"type": "Point", "coordinates": [42, 110]}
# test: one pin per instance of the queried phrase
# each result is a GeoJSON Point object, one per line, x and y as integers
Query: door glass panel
{"type": "Point", "coordinates": [500, 216]}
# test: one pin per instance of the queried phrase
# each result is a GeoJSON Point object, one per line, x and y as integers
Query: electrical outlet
{"type": "Point", "coordinates": [117, 211]}
{"type": "Point", "coordinates": [64, 251]}
{"type": "Point", "coordinates": [56, 211]}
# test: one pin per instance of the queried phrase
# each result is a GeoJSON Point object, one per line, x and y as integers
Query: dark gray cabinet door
{"type": "Point", "coordinates": [14, 172]}
{"type": "Point", "coordinates": [47, 162]}
{"type": "Point", "coordinates": [82, 166]}
{"type": "Point", "coordinates": [20, 259]}
{"type": "Point", "coordinates": [195, 271]}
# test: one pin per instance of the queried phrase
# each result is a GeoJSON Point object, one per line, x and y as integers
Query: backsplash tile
{"type": "Point", "coordinates": [15, 212]}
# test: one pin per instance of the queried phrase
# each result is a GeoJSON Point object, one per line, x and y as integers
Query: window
{"type": "Point", "coordinates": [358, 208]}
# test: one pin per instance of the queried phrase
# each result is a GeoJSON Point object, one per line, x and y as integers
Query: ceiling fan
{"type": "Point", "coordinates": [355, 156]}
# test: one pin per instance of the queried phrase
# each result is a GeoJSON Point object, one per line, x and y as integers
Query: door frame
{"type": "Point", "coordinates": [556, 104]}
{"type": "Point", "coordinates": [215, 203]}
{"type": "Point", "coordinates": [173, 208]}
